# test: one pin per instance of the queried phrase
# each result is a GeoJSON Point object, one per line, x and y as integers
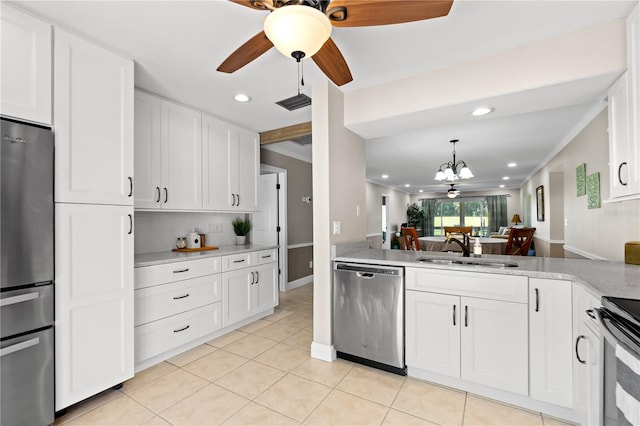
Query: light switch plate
{"type": "Point", "coordinates": [337, 227]}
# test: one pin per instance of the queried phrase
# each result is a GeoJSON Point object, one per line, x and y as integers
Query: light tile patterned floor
{"type": "Point", "coordinates": [262, 374]}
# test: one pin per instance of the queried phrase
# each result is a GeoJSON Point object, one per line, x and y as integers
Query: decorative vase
{"type": "Point", "coordinates": [241, 239]}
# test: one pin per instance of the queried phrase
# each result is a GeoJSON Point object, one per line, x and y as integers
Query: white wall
{"type": "Point", "coordinates": [398, 201]}
{"type": "Point", "coordinates": [594, 233]}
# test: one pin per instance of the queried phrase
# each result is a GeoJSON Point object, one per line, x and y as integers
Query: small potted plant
{"type": "Point", "coordinates": [241, 228]}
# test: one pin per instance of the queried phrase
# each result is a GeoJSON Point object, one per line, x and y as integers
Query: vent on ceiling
{"type": "Point", "coordinates": [303, 140]}
{"type": "Point", "coordinates": [298, 101]}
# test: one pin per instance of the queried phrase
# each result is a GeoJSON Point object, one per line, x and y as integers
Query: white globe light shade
{"type": "Point", "coordinates": [465, 173]}
{"type": "Point", "coordinates": [440, 175]}
{"type": "Point", "coordinates": [448, 173]}
{"type": "Point", "coordinates": [297, 28]}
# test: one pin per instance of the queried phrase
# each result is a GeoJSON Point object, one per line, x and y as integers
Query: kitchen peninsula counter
{"type": "Point", "coordinates": [163, 257]}
{"type": "Point", "coordinates": [602, 278]}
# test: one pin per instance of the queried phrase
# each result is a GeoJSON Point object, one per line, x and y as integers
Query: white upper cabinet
{"type": "Point", "coordinates": [181, 145]}
{"type": "Point", "coordinates": [168, 144]}
{"type": "Point", "coordinates": [93, 93]}
{"type": "Point", "coordinates": [25, 83]}
{"type": "Point", "coordinates": [231, 166]}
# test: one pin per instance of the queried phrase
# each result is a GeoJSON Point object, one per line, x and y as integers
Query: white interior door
{"type": "Point", "coordinates": [265, 221]}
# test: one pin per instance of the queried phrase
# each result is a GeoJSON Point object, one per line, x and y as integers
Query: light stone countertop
{"type": "Point", "coordinates": [602, 278]}
{"type": "Point", "coordinates": [159, 258]}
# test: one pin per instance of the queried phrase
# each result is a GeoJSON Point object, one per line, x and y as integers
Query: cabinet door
{"type": "Point", "coordinates": [181, 157]}
{"type": "Point", "coordinates": [550, 341]}
{"type": "Point", "coordinates": [433, 332]}
{"type": "Point", "coordinates": [266, 287]}
{"type": "Point", "coordinates": [236, 296]}
{"type": "Point", "coordinates": [633, 65]}
{"type": "Point", "coordinates": [93, 299]}
{"type": "Point", "coordinates": [147, 175]}
{"type": "Point", "coordinates": [621, 163]}
{"type": "Point", "coordinates": [93, 121]}
{"type": "Point", "coordinates": [25, 86]}
{"type": "Point", "coordinates": [248, 170]}
{"type": "Point", "coordinates": [216, 163]}
{"type": "Point", "coordinates": [494, 344]}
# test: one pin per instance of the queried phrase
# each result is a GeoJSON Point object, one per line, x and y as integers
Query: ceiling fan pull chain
{"type": "Point", "coordinates": [302, 79]}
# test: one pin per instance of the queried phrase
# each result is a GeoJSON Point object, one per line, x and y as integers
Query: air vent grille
{"type": "Point", "coordinates": [295, 102]}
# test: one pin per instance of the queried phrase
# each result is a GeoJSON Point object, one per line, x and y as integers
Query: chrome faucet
{"type": "Point", "coordinates": [465, 244]}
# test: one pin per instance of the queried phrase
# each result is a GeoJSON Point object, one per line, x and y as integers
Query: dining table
{"type": "Point", "coordinates": [489, 245]}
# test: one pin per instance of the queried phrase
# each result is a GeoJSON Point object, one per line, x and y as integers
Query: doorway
{"type": "Point", "coordinates": [386, 238]}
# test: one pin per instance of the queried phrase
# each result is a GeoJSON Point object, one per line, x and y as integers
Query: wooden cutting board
{"type": "Point", "coordinates": [188, 250]}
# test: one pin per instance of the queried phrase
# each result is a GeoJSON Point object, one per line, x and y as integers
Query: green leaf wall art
{"type": "Point", "coordinates": [593, 191]}
{"type": "Point", "coordinates": [581, 180]}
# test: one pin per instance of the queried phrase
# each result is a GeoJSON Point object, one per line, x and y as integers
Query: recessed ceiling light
{"type": "Point", "coordinates": [385, 176]}
{"type": "Point", "coordinates": [512, 164]}
{"type": "Point", "coordinates": [482, 111]}
{"type": "Point", "coordinates": [505, 178]}
{"type": "Point", "coordinates": [406, 185]}
{"type": "Point", "coordinates": [421, 190]}
{"type": "Point", "coordinates": [501, 186]}
{"type": "Point", "coordinates": [241, 97]}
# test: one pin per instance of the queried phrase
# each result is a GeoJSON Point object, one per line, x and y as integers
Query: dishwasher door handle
{"type": "Point", "coordinates": [366, 275]}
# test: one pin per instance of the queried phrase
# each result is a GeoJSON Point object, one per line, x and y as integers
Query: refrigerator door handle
{"type": "Point", "coordinates": [19, 299]}
{"type": "Point", "coordinates": [19, 346]}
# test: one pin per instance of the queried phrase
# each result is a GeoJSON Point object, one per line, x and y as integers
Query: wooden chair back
{"type": "Point", "coordinates": [519, 241]}
{"type": "Point", "coordinates": [410, 237]}
{"type": "Point", "coordinates": [457, 230]}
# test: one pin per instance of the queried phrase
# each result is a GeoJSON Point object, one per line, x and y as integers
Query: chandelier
{"type": "Point", "coordinates": [450, 172]}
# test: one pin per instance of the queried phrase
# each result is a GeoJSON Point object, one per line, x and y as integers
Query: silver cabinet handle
{"type": "Point", "coordinates": [266, 257]}
{"type": "Point", "coordinates": [253, 278]}
{"type": "Point", "coordinates": [580, 360]}
{"type": "Point", "coordinates": [180, 297]}
{"type": "Point", "coordinates": [158, 189]}
{"type": "Point", "coordinates": [454, 315]}
{"type": "Point", "coordinates": [238, 195]}
{"type": "Point", "coordinates": [130, 224]}
{"type": "Point", "coordinates": [537, 300]}
{"type": "Point", "coordinates": [619, 172]}
{"type": "Point", "coordinates": [19, 299]}
{"type": "Point", "coordinates": [130, 186]}
{"type": "Point", "coordinates": [180, 270]}
{"type": "Point", "coordinates": [166, 195]}
{"type": "Point", "coordinates": [181, 329]}
{"type": "Point", "coordinates": [257, 277]}
{"type": "Point", "coordinates": [233, 199]}
{"type": "Point", "coordinates": [19, 346]}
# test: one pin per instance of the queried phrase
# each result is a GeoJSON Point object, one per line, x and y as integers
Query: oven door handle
{"type": "Point", "coordinates": [604, 329]}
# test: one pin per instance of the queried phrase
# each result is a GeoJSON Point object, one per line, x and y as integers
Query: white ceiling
{"type": "Point", "coordinates": [177, 46]}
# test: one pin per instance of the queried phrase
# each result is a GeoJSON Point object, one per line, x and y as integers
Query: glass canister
{"type": "Point", "coordinates": [181, 242]}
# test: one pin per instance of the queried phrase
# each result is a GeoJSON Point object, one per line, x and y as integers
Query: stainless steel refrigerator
{"type": "Point", "coordinates": [26, 275]}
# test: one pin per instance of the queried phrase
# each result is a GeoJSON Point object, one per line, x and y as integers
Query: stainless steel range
{"type": "Point", "coordinates": [26, 275]}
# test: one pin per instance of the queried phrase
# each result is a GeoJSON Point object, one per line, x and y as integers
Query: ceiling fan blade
{"type": "Point", "coordinates": [332, 63]}
{"type": "Point", "coordinates": [256, 46]}
{"type": "Point", "coordinates": [362, 13]}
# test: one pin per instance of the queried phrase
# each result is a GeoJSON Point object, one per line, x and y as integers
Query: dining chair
{"type": "Point", "coordinates": [458, 230]}
{"type": "Point", "coordinates": [410, 237]}
{"type": "Point", "coordinates": [519, 241]}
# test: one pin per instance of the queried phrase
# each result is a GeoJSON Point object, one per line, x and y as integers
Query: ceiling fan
{"type": "Point", "coordinates": [314, 19]}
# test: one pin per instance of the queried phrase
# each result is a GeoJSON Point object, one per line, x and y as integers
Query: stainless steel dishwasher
{"type": "Point", "coordinates": [368, 315]}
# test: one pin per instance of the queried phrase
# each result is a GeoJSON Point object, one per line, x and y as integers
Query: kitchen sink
{"type": "Point", "coordinates": [468, 262]}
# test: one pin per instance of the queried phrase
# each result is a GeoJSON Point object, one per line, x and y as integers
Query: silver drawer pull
{"type": "Point", "coordinates": [238, 261]}
{"type": "Point", "coordinates": [19, 346]}
{"type": "Point", "coordinates": [180, 297]}
{"type": "Point", "coordinates": [19, 299]}
{"type": "Point", "coordinates": [266, 257]}
{"type": "Point", "coordinates": [181, 270]}
{"type": "Point", "coordinates": [181, 329]}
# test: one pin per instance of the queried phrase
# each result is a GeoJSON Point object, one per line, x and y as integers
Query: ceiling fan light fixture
{"type": "Point", "coordinates": [297, 28]}
{"type": "Point", "coordinates": [452, 192]}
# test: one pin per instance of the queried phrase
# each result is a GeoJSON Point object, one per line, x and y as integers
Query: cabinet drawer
{"type": "Point", "coordinates": [147, 276]}
{"type": "Point", "coordinates": [266, 256]}
{"type": "Point", "coordinates": [161, 301]}
{"type": "Point", "coordinates": [474, 284]}
{"type": "Point", "coordinates": [238, 261]}
{"type": "Point", "coordinates": [160, 336]}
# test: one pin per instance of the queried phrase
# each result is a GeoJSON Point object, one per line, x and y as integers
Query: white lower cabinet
{"type": "Point", "coordinates": [587, 359]}
{"type": "Point", "coordinates": [93, 299]}
{"type": "Point", "coordinates": [175, 304]}
{"type": "Point", "coordinates": [550, 341]}
{"type": "Point", "coordinates": [478, 339]}
{"type": "Point", "coordinates": [248, 290]}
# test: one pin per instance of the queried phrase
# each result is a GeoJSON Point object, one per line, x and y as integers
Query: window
{"type": "Point", "coordinates": [472, 212]}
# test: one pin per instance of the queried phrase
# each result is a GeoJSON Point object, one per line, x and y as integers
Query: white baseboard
{"type": "Point", "coordinates": [323, 352]}
{"type": "Point", "coordinates": [299, 282]}
{"type": "Point", "coordinates": [583, 253]}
